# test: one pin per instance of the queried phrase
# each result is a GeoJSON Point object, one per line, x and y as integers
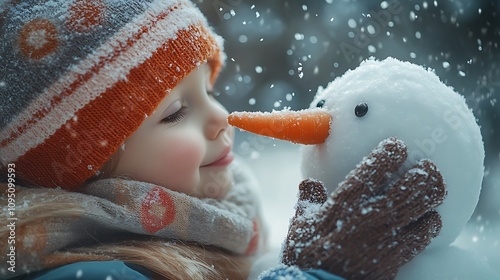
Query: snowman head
{"type": "Point", "coordinates": [381, 99]}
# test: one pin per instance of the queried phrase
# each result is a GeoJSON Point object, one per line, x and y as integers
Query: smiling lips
{"type": "Point", "coordinates": [225, 158]}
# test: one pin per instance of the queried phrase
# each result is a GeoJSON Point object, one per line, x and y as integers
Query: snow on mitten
{"type": "Point", "coordinates": [373, 223]}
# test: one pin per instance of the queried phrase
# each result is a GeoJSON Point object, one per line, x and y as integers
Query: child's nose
{"type": "Point", "coordinates": [216, 120]}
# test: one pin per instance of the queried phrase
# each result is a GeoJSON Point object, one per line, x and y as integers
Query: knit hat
{"type": "Point", "coordinates": [77, 77]}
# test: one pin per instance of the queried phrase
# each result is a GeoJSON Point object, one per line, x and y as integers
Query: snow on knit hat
{"type": "Point", "coordinates": [77, 77]}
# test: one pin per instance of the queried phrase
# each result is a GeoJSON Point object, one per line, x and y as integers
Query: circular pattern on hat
{"type": "Point", "coordinates": [38, 38]}
{"type": "Point", "coordinates": [85, 15]}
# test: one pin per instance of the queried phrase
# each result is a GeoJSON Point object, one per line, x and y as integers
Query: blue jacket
{"type": "Point", "coordinates": [92, 270]}
{"type": "Point", "coordinates": [119, 270]}
{"type": "Point", "coordinates": [291, 272]}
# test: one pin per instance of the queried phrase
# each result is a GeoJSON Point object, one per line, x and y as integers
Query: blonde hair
{"type": "Point", "coordinates": [176, 260]}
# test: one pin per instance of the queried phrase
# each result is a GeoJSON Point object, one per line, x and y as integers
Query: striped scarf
{"type": "Point", "coordinates": [114, 209]}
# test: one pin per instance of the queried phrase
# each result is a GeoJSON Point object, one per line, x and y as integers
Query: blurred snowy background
{"type": "Point", "coordinates": [279, 52]}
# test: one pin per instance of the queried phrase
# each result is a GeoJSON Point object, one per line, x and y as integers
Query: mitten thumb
{"type": "Point", "coordinates": [312, 194]}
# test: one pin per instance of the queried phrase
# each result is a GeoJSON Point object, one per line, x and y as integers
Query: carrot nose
{"type": "Point", "coordinates": [310, 126]}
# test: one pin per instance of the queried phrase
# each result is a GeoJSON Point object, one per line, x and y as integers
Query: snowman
{"type": "Point", "coordinates": [391, 98]}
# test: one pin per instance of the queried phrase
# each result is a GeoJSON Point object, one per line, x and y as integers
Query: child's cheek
{"type": "Point", "coordinates": [179, 162]}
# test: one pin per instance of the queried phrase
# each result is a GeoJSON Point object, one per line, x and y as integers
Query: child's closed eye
{"type": "Point", "coordinates": [176, 116]}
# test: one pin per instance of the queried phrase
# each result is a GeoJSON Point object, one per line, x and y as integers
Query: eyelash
{"type": "Point", "coordinates": [176, 117]}
{"type": "Point", "coordinates": [182, 112]}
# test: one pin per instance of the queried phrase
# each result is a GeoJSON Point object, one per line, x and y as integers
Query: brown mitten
{"type": "Point", "coordinates": [371, 224]}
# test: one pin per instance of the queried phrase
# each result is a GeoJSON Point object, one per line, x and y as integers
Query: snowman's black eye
{"type": "Point", "coordinates": [320, 104]}
{"type": "Point", "coordinates": [361, 109]}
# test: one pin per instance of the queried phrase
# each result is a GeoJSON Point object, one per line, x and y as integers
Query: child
{"type": "Point", "coordinates": [101, 72]}
{"type": "Point", "coordinates": [115, 156]}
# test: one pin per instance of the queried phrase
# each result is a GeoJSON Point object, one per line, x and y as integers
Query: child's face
{"type": "Point", "coordinates": [185, 145]}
